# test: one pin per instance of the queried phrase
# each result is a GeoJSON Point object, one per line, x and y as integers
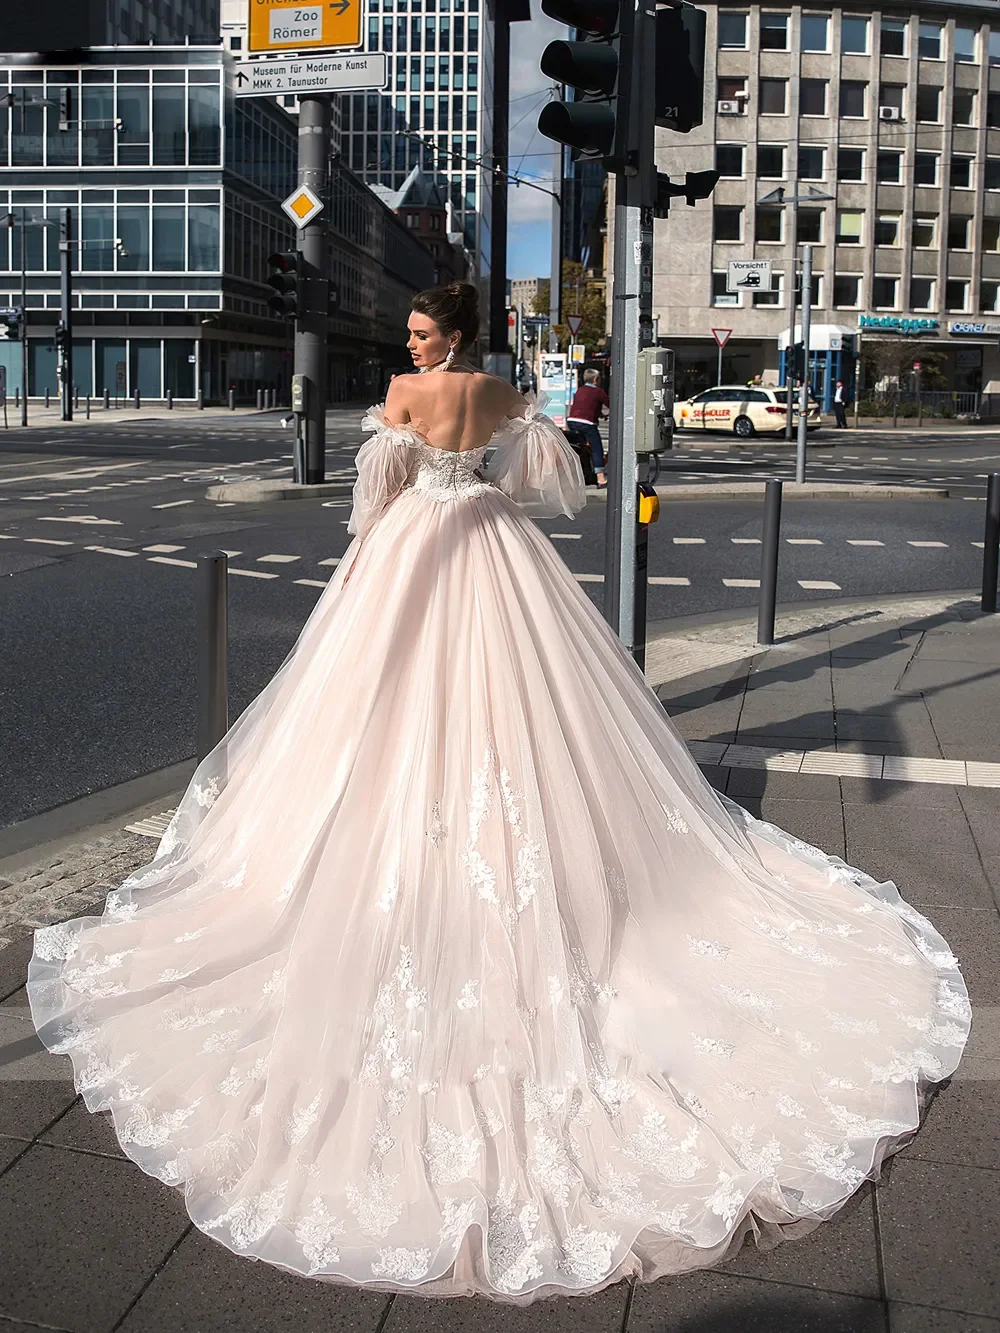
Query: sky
{"type": "Point", "coordinates": [529, 229]}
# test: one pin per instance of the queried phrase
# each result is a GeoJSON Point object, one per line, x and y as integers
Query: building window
{"type": "Point", "coordinates": [811, 162]}
{"type": "Point", "coordinates": [413, 220]}
{"type": "Point", "coordinates": [817, 290]}
{"type": "Point", "coordinates": [891, 94]}
{"type": "Point", "coordinates": [732, 90]}
{"type": "Point", "coordinates": [850, 164]}
{"type": "Point", "coordinates": [815, 32]}
{"type": "Point", "coordinates": [994, 47]}
{"type": "Point", "coordinates": [964, 106]}
{"type": "Point", "coordinates": [853, 98]}
{"type": "Point", "coordinates": [768, 225]}
{"type": "Point", "coordinates": [884, 293]}
{"type": "Point", "coordinates": [929, 43]}
{"type": "Point", "coordinates": [887, 229]}
{"type": "Point", "coordinates": [774, 32]}
{"type": "Point", "coordinates": [928, 103]}
{"type": "Point", "coordinates": [773, 297]}
{"type": "Point", "coordinates": [893, 37]}
{"type": "Point", "coordinates": [925, 169]}
{"type": "Point", "coordinates": [732, 30]}
{"type": "Point", "coordinates": [809, 230]}
{"type": "Point", "coordinates": [956, 294]}
{"type": "Point", "coordinates": [812, 97]}
{"type": "Point", "coordinates": [849, 226]}
{"type": "Point", "coordinates": [854, 35]}
{"type": "Point", "coordinates": [729, 159]}
{"type": "Point", "coordinates": [719, 294]}
{"type": "Point", "coordinates": [988, 294]}
{"type": "Point", "coordinates": [728, 223]}
{"type": "Point", "coordinates": [770, 161]}
{"type": "Point", "coordinates": [961, 173]}
{"type": "Point", "coordinates": [921, 293]}
{"type": "Point", "coordinates": [923, 232]}
{"type": "Point", "coordinates": [991, 234]}
{"type": "Point", "coordinates": [993, 173]}
{"type": "Point", "coordinates": [993, 111]}
{"type": "Point", "coordinates": [888, 167]}
{"type": "Point", "coordinates": [846, 291]}
{"type": "Point", "coordinates": [965, 45]}
{"type": "Point", "coordinates": [958, 231]}
{"type": "Point", "coordinates": [773, 97]}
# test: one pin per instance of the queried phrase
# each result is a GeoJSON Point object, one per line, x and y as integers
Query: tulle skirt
{"type": "Point", "coordinates": [453, 975]}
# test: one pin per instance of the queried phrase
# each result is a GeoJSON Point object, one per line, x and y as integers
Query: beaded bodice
{"type": "Point", "coordinates": [446, 474]}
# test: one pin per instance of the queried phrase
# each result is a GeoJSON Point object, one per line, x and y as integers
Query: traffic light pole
{"type": "Point", "coordinates": [66, 313]}
{"type": "Point", "coordinates": [313, 318]}
{"type": "Point", "coordinates": [800, 448]}
{"type": "Point", "coordinates": [631, 311]}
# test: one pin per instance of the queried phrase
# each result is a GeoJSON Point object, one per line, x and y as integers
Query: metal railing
{"type": "Point", "coordinates": [908, 404]}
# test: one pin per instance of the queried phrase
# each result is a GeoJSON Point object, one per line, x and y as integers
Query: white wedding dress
{"type": "Point", "coordinates": [453, 975]}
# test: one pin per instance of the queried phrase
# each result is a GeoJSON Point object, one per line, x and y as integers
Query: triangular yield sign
{"type": "Point", "coordinates": [721, 336]}
{"type": "Point", "coordinates": [574, 322]}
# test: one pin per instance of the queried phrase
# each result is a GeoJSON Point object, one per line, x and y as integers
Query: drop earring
{"type": "Point", "coordinates": [450, 357]}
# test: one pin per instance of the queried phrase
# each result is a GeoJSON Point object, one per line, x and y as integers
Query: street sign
{"type": "Point", "coordinates": [302, 206]}
{"type": "Point", "coordinates": [289, 25]}
{"type": "Point", "coordinates": [575, 323]}
{"type": "Point", "coordinates": [577, 354]}
{"type": "Point", "coordinates": [309, 74]}
{"type": "Point", "coordinates": [748, 275]}
{"type": "Point", "coordinates": [721, 336]}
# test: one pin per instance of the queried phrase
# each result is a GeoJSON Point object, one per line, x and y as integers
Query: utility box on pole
{"type": "Point", "coordinates": [654, 407]}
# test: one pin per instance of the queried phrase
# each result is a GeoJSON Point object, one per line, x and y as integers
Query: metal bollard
{"type": "Point", "coordinates": [17, 398]}
{"type": "Point", "coordinates": [267, 399]}
{"type": "Point", "coordinates": [260, 400]}
{"type": "Point", "coordinates": [201, 400]}
{"type": "Point", "coordinates": [46, 397]}
{"type": "Point", "coordinates": [232, 400]}
{"type": "Point", "coordinates": [170, 400]}
{"type": "Point", "coordinates": [213, 641]}
{"type": "Point", "coordinates": [76, 398]}
{"type": "Point", "coordinates": [991, 544]}
{"type": "Point", "coordinates": [138, 400]}
{"type": "Point", "coordinates": [88, 406]}
{"type": "Point", "coordinates": [770, 538]}
{"type": "Point", "coordinates": [895, 409]}
{"type": "Point", "coordinates": [107, 399]}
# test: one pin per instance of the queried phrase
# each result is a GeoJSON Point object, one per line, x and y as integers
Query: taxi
{"type": "Point", "coordinates": [744, 410]}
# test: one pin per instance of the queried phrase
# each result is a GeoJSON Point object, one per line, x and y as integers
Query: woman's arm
{"type": "Point", "coordinates": [396, 402]}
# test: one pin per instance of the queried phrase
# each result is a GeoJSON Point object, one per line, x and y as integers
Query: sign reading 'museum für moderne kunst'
{"type": "Point", "coordinates": [898, 323]}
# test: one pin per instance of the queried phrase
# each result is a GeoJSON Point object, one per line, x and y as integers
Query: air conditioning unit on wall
{"type": "Point", "coordinates": [730, 107]}
{"type": "Point", "coordinates": [889, 113]}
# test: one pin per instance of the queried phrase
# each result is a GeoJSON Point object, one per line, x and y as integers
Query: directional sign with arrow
{"type": "Point", "coordinates": [310, 74]}
{"type": "Point", "coordinates": [289, 25]}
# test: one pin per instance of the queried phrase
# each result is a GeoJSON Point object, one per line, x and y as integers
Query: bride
{"type": "Point", "coordinates": [452, 974]}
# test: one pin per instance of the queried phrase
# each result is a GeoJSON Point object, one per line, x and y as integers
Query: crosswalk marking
{"type": "Point", "coordinates": [803, 541]}
{"type": "Point", "coordinates": [110, 550]}
{"type": "Point", "coordinates": [172, 560]}
{"type": "Point", "coordinates": [818, 585]}
{"type": "Point", "coordinates": [333, 560]}
{"type": "Point", "coordinates": [668, 581]}
{"type": "Point", "coordinates": [172, 504]}
{"type": "Point", "coordinates": [688, 541]}
{"type": "Point", "coordinates": [164, 548]}
{"type": "Point", "coordinates": [741, 583]}
{"type": "Point", "coordinates": [863, 541]}
{"type": "Point", "coordinates": [927, 544]}
{"type": "Point", "coordinates": [277, 559]}
{"type": "Point", "coordinates": [48, 541]}
{"type": "Point", "coordinates": [255, 574]}
{"type": "Point", "coordinates": [311, 583]}
{"type": "Point", "coordinates": [91, 520]}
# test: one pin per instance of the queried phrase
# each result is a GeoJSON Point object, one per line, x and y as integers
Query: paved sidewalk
{"type": "Point", "coordinates": [91, 1245]}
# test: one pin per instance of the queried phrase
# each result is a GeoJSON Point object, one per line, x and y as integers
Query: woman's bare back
{"type": "Point", "coordinates": [454, 409]}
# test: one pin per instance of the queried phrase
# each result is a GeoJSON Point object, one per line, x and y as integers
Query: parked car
{"type": "Point", "coordinates": [742, 410]}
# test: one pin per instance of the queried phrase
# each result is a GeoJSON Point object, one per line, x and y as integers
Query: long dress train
{"type": "Point", "coordinates": [453, 975]}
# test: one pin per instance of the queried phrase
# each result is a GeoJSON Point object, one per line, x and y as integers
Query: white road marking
{"type": "Point", "coordinates": [311, 583]}
{"type": "Point", "coordinates": [981, 545]}
{"type": "Point", "coordinates": [173, 504]}
{"type": "Point", "coordinates": [333, 560]}
{"type": "Point", "coordinates": [255, 574]}
{"type": "Point", "coordinates": [745, 541]}
{"type": "Point", "coordinates": [277, 559]}
{"type": "Point", "coordinates": [109, 550]}
{"type": "Point", "coordinates": [909, 543]}
{"type": "Point", "coordinates": [741, 583]}
{"type": "Point", "coordinates": [172, 560]}
{"type": "Point", "coordinates": [589, 578]}
{"type": "Point", "coordinates": [688, 541]}
{"type": "Point", "coordinates": [90, 519]}
{"type": "Point", "coordinates": [669, 582]}
{"type": "Point", "coordinates": [818, 585]}
{"type": "Point", "coordinates": [804, 541]}
{"type": "Point", "coordinates": [164, 548]}
{"type": "Point", "coordinates": [566, 536]}
{"type": "Point", "coordinates": [55, 541]}
{"type": "Point", "coordinates": [858, 541]}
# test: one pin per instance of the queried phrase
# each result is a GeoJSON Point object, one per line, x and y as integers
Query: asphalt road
{"type": "Point", "coordinates": [97, 683]}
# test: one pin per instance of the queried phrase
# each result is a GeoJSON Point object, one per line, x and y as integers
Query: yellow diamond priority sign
{"type": "Point", "coordinates": [302, 205]}
{"type": "Point", "coordinates": [290, 25]}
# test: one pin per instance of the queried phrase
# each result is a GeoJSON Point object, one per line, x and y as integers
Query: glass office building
{"type": "Point", "coordinates": [174, 212]}
{"type": "Point", "coordinates": [436, 110]}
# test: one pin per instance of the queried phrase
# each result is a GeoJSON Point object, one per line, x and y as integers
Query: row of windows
{"type": "Point", "coordinates": [885, 292]}
{"type": "Point", "coordinates": [431, 34]}
{"type": "Point", "coordinates": [168, 124]}
{"type": "Point", "coordinates": [260, 148]}
{"type": "Point", "coordinates": [119, 300]}
{"type": "Point", "coordinates": [728, 224]}
{"type": "Point", "coordinates": [123, 238]}
{"type": "Point", "coordinates": [814, 160]}
{"type": "Point", "coordinates": [371, 112]}
{"type": "Point", "coordinates": [425, 6]}
{"type": "Point", "coordinates": [431, 73]}
{"type": "Point", "coordinates": [896, 36]}
{"type": "Point", "coordinates": [853, 100]}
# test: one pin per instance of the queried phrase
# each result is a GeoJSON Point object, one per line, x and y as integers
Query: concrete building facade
{"type": "Point", "coordinates": [891, 113]}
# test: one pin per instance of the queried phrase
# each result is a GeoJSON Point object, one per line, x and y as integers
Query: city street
{"type": "Point", "coordinates": [101, 527]}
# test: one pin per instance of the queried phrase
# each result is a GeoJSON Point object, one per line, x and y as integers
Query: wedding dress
{"type": "Point", "coordinates": [453, 975]}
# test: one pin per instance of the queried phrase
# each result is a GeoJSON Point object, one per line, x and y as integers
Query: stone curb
{"type": "Point", "coordinates": [260, 492]}
{"type": "Point", "coordinates": [792, 490]}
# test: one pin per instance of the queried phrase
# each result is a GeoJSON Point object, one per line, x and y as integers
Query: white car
{"type": "Point", "coordinates": [744, 411]}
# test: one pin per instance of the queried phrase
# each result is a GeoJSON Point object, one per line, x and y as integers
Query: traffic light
{"type": "Point", "coordinates": [286, 283]}
{"type": "Point", "coordinates": [796, 367]}
{"type": "Point", "coordinates": [697, 185]}
{"type": "Point", "coordinates": [680, 68]}
{"type": "Point", "coordinates": [588, 124]}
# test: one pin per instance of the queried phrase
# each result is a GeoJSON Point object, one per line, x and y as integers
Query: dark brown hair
{"type": "Point", "coordinates": [453, 308]}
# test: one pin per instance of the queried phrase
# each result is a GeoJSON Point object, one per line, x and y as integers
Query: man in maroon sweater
{"type": "Point", "coordinates": [584, 414]}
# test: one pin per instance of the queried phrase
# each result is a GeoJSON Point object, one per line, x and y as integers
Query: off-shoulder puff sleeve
{"type": "Point", "coordinates": [383, 463]}
{"type": "Point", "coordinates": [536, 466]}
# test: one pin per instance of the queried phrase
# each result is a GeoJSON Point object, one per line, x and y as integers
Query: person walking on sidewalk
{"type": "Point", "coordinates": [585, 412]}
{"type": "Point", "coordinates": [840, 405]}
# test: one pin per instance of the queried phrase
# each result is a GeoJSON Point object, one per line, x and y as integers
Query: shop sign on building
{"type": "Point", "coordinates": [908, 324]}
{"type": "Point", "coordinates": [990, 327]}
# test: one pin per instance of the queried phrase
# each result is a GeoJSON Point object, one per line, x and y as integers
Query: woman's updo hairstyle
{"type": "Point", "coordinates": [454, 308]}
